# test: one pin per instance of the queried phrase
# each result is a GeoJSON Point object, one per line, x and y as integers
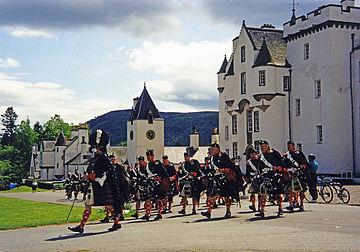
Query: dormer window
{"type": "Point", "coordinates": [150, 117]}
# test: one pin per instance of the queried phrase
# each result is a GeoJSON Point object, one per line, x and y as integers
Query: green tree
{"type": "Point", "coordinates": [9, 164]}
{"type": "Point", "coordinates": [26, 137]}
{"type": "Point", "coordinates": [38, 128]}
{"type": "Point", "coordinates": [9, 126]}
{"type": "Point", "coordinates": [53, 128]}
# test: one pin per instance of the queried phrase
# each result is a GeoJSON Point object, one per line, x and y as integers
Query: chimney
{"type": "Point", "coordinates": [215, 136]}
{"type": "Point", "coordinates": [347, 3]}
{"type": "Point", "coordinates": [135, 100]}
{"type": "Point", "coordinates": [194, 138]}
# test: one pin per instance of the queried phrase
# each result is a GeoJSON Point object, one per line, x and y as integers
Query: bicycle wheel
{"type": "Point", "coordinates": [344, 195]}
{"type": "Point", "coordinates": [326, 193]}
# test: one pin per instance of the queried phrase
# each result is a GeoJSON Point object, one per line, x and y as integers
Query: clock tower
{"type": "Point", "coordinates": [145, 129]}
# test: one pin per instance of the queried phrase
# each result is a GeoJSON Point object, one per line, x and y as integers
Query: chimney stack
{"type": "Point", "coordinates": [347, 3]}
{"type": "Point", "coordinates": [194, 138]}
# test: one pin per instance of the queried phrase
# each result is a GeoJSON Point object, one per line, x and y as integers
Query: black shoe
{"type": "Point", "coordinates": [280, 212]}
{"type": "Point", "coordinates": [260, 214]}
{"type": "Point", "coordinates": [182, 211]}
{"type": "Point", "coordinates": [290, 208]}
{"type": "Point", "coordinates": [301, 209]}
{"type": "Point", "coordinates": [76, 229]}
{"type": "Point", "coordinates": [253, 208]}
{"type": "Point", "coordinates": [105, 220]}
{"type": "Point", "coordinates": [135, 215]}
{"type": "Point", "coordinates": [206, 214]}
{"type": "Point", "coordinates": [145, 217]}
{"type": "Point", "coordinates": [158, 217]}
{"type": "Point", "coordinates": [115, 227]}
{"type": "Point", "coordinates": [193, 211]}
{"type": "Point", "coordinates": [227, 215]}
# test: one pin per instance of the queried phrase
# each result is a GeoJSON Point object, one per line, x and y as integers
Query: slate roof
{"type": "Point", "coordinates": [223, 66]}
{"type": "Point", "coordinates": [231, 68]}
{"type": "Point", "coordinates": [144, 106]}
{"type": "Point", "coordinates": [60, 141]}
{"type": "Point", "coordinates": [274, 41]}
{"type": "Point", "coordinates": [264, 56]}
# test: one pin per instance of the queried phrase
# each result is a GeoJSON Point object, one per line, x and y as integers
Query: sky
{"type": "Point", "coordinates": [83, 58]}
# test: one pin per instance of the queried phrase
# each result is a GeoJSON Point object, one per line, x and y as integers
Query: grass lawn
{"type": "Point", "coordinates": [22, 189]}
{"type": "Point", "coordinates": [17, 213]}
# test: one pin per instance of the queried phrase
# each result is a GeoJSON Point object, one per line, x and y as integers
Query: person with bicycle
{"type": "Point", "coordinates": [312, 177]}
{"type": "Point", "coordinates": [296, 164]}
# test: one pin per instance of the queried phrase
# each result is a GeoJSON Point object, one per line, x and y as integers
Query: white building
{"type": "Point", "coordinates": [252, 100]}
{"type": "Point", "coordinates": [53, 160]}
{"type": "Point", "coordinates": [317, 48]}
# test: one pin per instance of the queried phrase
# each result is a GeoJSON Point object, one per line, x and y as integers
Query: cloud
{"type": "Point", "coordinates": [187, 72]}
{"type": "Point", "coordinates": [41, 100]}
{"type": "Point", "coordinates": [141, 17]}
{"type": "Point", "coordinates": [23, 32]}
{"type": "Point", "coordinates": [9, 63]}
{"type": "Point", "coordinates": [256, 12]}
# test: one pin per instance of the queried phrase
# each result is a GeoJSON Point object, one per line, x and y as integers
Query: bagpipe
{"type": "Point", "coordinates": [269, 181]}
{"type": "Point", "coordinates": [187, 184]}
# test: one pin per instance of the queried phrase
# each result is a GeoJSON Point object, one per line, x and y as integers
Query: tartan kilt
{"type": "Point", "coordinates": [103, 195]}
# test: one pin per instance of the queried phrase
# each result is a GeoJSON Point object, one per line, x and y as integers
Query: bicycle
{"type": "Point", "coordinates": [325, 191]}
{"type": "Point", "coordinates": [342, 193]}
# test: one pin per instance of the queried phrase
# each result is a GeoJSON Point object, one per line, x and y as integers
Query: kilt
{"type": "Point", "coordinates": [103, 195]}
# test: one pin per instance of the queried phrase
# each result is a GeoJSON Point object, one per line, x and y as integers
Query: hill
{"type": "Point", "coordinates": [177, 126]}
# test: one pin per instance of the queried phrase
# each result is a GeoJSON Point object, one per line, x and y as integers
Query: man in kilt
{"type": "Point", "coordinates": [276, 172]}
{"type": "Point", "coordinates": [159, 175]}
{"type": "Point", "coordinates": [254, 167]}
{"type": "Point", "coordinates": [190, 183]}
{"type": "Point", "coordinates": [173, 190]}
{"type": "Point", "coordinates": [105, 183]}
{"type": "Point", "coordinates": [224, 181]}
{"type": "Point", "coordinates": [296, 164]}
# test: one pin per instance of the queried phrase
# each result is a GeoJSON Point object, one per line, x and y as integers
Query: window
{"type": "Point", "coordinates": [249, 121]}
{"type": "Point", "coordinates": [242, 54]}
{"type": "Point", "coordinates": [243, 83]}
{"type": "Point", "coordinates": [257, 145]}
{"type": "Point", "coordinates": [306, 51]}
{"type": "Point", "coordinates": [262, 79]}
{"type": "Point", "coordinates": [317, 89]}
{"type": "Point", "coordinates": [286, 83]}
{"type": "Point", "coordinates": [57, 149]}
{"type": "Point", "coordinates": [319, 134]}
{"type": "Point", "coordinates": [234, 124]}
{"type": "Point", "coordinates": [235, 149]}
{"type": "Point", "coordinates": [256, 121]}
{"type": "Point", "coordinates": [57, 165]}
{"type": "Point", "coordinates": [297, 107]}
{"type": "Point", "coordinates": [226, 133]}
{"type": "Point", "coordinates": [299, 146]}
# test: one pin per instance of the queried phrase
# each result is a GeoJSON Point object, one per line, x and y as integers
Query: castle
{"type": "Point", "coordinates": [300, 83]}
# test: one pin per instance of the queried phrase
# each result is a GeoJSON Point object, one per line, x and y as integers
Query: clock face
{"type": "Point", "coordinates": [131, 135]}
{"type": "Point", "coordinates": [150, 134]}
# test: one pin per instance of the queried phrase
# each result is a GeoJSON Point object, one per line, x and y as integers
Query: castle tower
{"type": "Point", "coordinates": [145, 129]}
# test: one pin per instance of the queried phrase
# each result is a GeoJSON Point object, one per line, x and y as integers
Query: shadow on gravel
{"type": "Point", "coordinates": [179, 216]}
{"type": "Point", "coordinates": [213, 219]}
{"type": "Point", "coordinates": [271, 217]}
{"type": "Point", "coordinates": [76, 236]}
{"type": "Point", "coordinates": [246, 212]}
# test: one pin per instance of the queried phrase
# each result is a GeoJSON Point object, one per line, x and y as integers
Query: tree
{"type": "Point", "coordinates": [25, 139]}
{"type": "Point", "coordinates": [53, 128]}
{"type": "Point", "coordinates": [9, 126]}
{"type": "Point", "coordinates": [38, 128]}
